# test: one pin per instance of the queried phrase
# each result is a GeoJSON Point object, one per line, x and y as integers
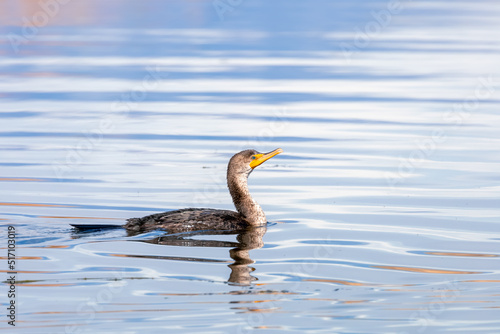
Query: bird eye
{"type": "Point", "coordinates": [253, 157]}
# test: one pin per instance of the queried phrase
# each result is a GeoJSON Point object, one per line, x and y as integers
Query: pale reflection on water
{"type": "Point", "coordinates": [384, 205]}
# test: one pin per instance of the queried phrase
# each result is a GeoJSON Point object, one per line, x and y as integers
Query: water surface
{"type": "Point", "coordinates": [383, 208]}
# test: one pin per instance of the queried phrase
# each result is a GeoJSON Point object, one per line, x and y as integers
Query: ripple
{"type": "Point", "coordinates": [334, 242]}
{"type": "Point", "coordinates": [36, 205]}
{"type": "Point", "coordinates": [46, 285]}
{"type": "Point", "coordinates": [110, 269]}
{"type": "Point", "coordinates": [429, 270]}
{"type": "Point", "coordinates": [343, 282]}
{"type": "Point", "coordinates": [82, 206]}
{"type": "Point", "coordinates": [151, 136]}
{"type": "Point", "coordinates": [19, 179]}
{"type": "Point", "coordinates": [161, 257]}
{"type": "Point", "coordinates": [27, 258]}
{"type": "Point", "coordinates": [453, 254]}
{"type": "Point", "coordinates": [34, 240]}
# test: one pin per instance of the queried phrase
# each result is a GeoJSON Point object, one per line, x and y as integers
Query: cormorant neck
{"type": "Point", "coordinates": [243, 201]}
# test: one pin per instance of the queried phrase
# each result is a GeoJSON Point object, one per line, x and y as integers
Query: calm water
{"type": "Point", "coordinates": [384, 206]}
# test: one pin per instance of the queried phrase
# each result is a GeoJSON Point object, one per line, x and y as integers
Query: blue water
{"type": "Point", "coordinates": [384, 208]}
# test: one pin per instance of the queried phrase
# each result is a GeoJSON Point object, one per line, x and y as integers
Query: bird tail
{"type": "Point", "coordinates": [90, 227]}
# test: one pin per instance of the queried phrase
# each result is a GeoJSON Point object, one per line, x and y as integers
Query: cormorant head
{"type": "Point", "coordinates": [247, 160]}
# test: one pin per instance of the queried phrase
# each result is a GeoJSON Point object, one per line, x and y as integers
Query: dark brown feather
{"type": "Point", "coordinates": [187, 220]}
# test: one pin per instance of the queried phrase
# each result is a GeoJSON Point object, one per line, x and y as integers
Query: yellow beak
{"type": "Point", "coordinates": [261, 157]}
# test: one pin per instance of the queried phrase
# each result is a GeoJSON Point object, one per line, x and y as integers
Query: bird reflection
{"type": "Point", "coordinates": [247, 239]}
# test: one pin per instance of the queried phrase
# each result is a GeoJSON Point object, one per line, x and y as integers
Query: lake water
{"type": "Point", "coordinates": [384, 208]}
